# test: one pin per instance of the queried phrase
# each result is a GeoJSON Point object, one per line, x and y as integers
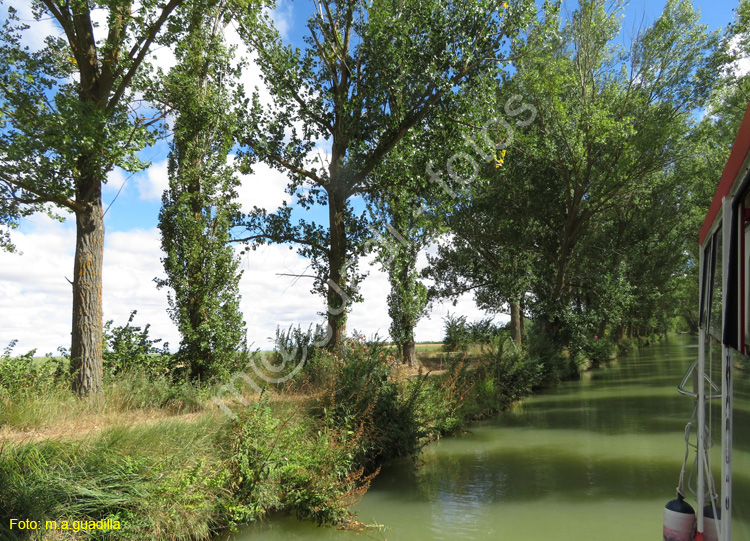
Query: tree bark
{"type": "Point", "coordinates": [86, 343]}
{"type": "Point", "coordinates": [620, 334]}
{"type": "Point", "coordinates": [337, 298]}
{"type": "Point", "coordinates": [515, 323]}
{"type": "Point", "coordinates": [409, 352]}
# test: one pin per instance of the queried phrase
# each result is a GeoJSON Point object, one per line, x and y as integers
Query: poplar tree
{"type": "Point", "coordinates": [68, 116]}
{"type": "Point", "coordinates": [370, 73]}
{"type": "Point", "coordinates": [564, 224]}
{"type": "Point", "coordinates": [200, 206]}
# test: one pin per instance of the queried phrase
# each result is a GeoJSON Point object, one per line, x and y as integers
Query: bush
{"type": "Point", "coordinates": [457, 334]}
{"type": "Point", "coordinates": [599, 350]}
{"type": "Point", "coordinates": [486, 332]}
{"type": "Point", "coordinates": [443, 410]}
{"type": "Point", "coordinates": [514, 374]}
{"type": "Point", "coordinates": [362, 393]}
{"type": "Point", "coordinates": [295, 346]}
{"type": "Point", "coordinates": [555, 365]}
{"type": "Point", "coordinates": [23, 376]}
{"type": "Point", "coordinates": [504, 376]}
{"type": "Point", "coordinates": [129, 347]}
{"type": "Point", "coordinates": [292, 464]}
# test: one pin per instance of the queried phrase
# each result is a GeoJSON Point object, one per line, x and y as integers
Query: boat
{"type": "Point", "coordinates": [723, 341]}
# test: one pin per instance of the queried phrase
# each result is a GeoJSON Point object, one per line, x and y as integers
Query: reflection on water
{"type": "Point", "coordinates": [590, 460]}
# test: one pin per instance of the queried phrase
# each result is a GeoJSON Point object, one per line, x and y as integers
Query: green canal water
{"type": "Point", "coordinates": [595, 459]}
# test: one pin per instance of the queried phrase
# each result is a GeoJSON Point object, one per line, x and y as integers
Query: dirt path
{"type": "Point", "coordinates": [87, 425]}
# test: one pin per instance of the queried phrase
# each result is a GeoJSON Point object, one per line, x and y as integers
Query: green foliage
{"type": "Point", "coordinates": [295, 346]}
{"type": "Point", "coordinates": [599, 350]}
{"type": "Point", "coordinates": [69, 114]}
{"type": "Point", "coordinates": [588, 223]}
{"type": "Point", "coordinates": [486, 332]}
{"type": "Point", "coordinates": [368, 76]}
{"type": "Point", "coordinates": [200, 207]}
{"type": "Point", "coordinates": [128, 347]}
{"type": "Point", "coordinates": [161, 481]}
{"type": "Point", "coordinates": [139, 390]}
{"type": "Point", "coordinates": [363, 393]}
{"type": "Point", "coordinates": [446, 402]}
{"type": "Point", "coordinates": [456, 333]}
{"type": "Point", "coordinates": [291, 464]}
{"type": "Point", "coordinates": [23, 376]}
{"type": "Point", "coordinates": [513, 374]}
{"type": "Point", "coordinates": [459, 334]}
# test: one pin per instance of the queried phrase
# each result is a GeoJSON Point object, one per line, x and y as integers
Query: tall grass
{"type": "Point", "coordinates": [157, 480]}
{"type": "Point", "coordinates": [52, 405]}
{"type": "Point", "coordinates": [186, 477]}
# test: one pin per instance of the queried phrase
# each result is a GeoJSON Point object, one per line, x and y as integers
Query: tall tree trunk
{"type": "Point", "coordinates": [86, 344]}
{"type": "Point", "coordinates": [409, 352]}
{"type": "Point", "coordinates": [199, 353]}
{"type": "Point", "coordinates": [337, 298]}
{"type": "Point", "coordinates": [515, 323]}
{"type": "Point", "coordinates": [620, 334]}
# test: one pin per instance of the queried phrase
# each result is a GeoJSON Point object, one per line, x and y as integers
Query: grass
{"type": "Point", "coordinates": [161, 458]}
{"type": "Point", "coordinates": [55, 409]}
{"type": "Point", "coordinates": [182, 478]}
{"type": "Point", "coordinates": [156, 479]}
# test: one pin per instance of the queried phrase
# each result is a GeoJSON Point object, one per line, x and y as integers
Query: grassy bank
{"type": "Point", "coordinates": [159, 457]}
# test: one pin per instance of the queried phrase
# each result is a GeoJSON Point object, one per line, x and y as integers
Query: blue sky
{"type": "Point", "coordinates": [34, 293]}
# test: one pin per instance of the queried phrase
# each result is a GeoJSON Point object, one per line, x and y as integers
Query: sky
{"type": "Point", "coordinates": [35, 295]}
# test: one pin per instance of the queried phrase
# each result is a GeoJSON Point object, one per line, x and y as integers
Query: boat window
{"type": "Point", "coordinates": [715, 304]}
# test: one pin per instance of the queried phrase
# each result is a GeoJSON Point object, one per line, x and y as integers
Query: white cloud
{"type": "Point", "coordinates": [742, 66]}
{"type": "Point", "coordinates": [283, 18]}
{"type": "Point", "coordinates": [162, 57]}
{"type": "Point", "coordinates": [152, 183]}
{"type": "Point", "coordinates": [264, 188]}
{"type": "Point", "coordinates": [101, 27]}
{"type": "Point", "coordinates": [39, 30]}
{"type": "Point", "coordinates": [115, 180]}
{"type": "Point", "coordinates": [35, 295]}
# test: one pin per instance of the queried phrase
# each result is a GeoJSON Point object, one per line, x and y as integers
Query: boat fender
{"type": "Point", "coordinates": [709, 523]}
{"type": "Point", "coordinates": [679, 520]}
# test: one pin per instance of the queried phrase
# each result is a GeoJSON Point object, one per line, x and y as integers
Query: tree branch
{"type": "Point", "coordinates": [43, 198]}
{"type": "Point", "coordinates": [138, 55]}
{"type": "Point", "coordinates": [287, 84]}
{"type": "Point", "coordinates": [293, 168]}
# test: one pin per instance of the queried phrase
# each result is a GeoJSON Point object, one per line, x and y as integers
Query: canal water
{"type": "Point", "coordinates": [595, 459]}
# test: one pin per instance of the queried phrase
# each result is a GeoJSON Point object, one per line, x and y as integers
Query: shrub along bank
{"type": "Point", "coordinates": [310, 446]}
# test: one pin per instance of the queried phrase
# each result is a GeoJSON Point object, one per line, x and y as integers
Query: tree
{"type": "Point", "coordinates": [488, 253]}
{"type": "Point", "coordinates": [406, 226]}
{"type": "Point", "coordinates": [710, 144]}
{"type": "Point", "coordinates": [611, 126]}
{"type": "Point", "coordinates": [606, 132]}
{"type": "Point", "coordinates": [199, 208]}
{"type": "Point", "coordinates": [370, 73]}
{"type": "Point", "coordinates": [69, 115]}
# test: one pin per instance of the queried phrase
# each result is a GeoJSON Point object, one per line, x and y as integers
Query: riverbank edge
{"type": "Point", "coordinates": [192, 477]}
